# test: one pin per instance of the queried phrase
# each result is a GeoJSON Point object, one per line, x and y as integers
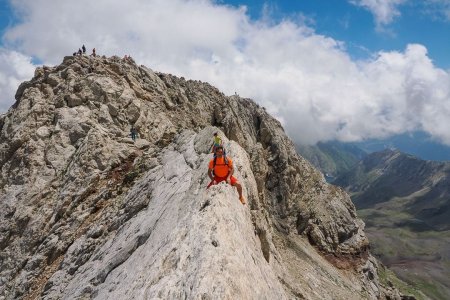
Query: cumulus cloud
{"type": "Point", "coordinates": [306, 80]}
{"type": "Point", "coordinates": [384, 11]}
{"type": "Point", "coordinates": [14, 68]}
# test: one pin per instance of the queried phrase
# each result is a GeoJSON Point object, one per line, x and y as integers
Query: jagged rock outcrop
{"type": "Point", "coordinates": [87, 213]}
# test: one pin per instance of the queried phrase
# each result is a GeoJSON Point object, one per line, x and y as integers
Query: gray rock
{"type": "Point", "coordinates": [74, 100]}
{"type": "Point", "coordinates": [87, 213]}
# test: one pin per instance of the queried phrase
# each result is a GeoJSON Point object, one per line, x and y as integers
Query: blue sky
{"type": "Point", "coordinates": [342, 69]}
{"type": "Point", "coordinates": [418, 22]}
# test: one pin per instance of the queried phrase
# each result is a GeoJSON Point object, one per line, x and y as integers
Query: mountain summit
{"type": "Point", "coordinates": [86, 212]}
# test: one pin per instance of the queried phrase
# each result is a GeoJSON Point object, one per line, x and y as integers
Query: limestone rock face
{"type": "Point", "coordinates": [85, 212]}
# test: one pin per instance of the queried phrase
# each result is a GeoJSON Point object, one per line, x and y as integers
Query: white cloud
{"type": "Point", "coordinates": [306, 80]}
{"type": "Point", "coordinates": [384, 11]}
{"type": "Point", "coordinates": [437, 9]}
{"type": "Point", "coordinates": [156, 29]}
{"type": "Point", "coordinates": [14, 68]}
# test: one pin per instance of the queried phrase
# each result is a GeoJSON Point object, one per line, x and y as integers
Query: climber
{"type": "Point", "coordinates": [79, 51]}
{"type": "Point", "coordinates": [84, 49]}
{"type": "Point", "coordinates": [221, 169]}
{"type": "Point", "coordinates": [133, 132]}
{"type": "Point", "coordinates": [93, 52]}
{"type": "Point", "coordinates": [216, 142]}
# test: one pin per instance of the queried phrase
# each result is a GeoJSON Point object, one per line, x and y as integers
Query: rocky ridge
{"type": "Point", "coordinates": [87, 213]}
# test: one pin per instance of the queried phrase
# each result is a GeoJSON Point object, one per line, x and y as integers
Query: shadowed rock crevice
{"type": "Point", "coordinates": [265, 246]}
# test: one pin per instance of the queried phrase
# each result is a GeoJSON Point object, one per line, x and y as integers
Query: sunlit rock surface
{"type": "Point", "coordinates": [85, 212]}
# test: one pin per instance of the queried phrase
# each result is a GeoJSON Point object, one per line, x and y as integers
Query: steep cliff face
{"type": "Point", "coordinates": [87, 213]}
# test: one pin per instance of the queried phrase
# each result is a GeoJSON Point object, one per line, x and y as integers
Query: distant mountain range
{"type": "Point", "coordinates": [417, 143]}
{"type": "Point", "coordinates": [405, 203]}
{"type": "Point", "coordinates": [391, 175]}
{"type": "Point", "coordinates": [332, 158]}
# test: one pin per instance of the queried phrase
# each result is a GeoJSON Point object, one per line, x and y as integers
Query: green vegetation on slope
{"type": "Point", "coordinates": [420, 259]}
{"type": "Point", "coordinates": [388, 278]}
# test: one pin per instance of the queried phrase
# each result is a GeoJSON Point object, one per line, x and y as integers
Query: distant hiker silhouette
{"type": "Point", "coordinates": [133, 132]}
{"type": "Point", "coordinates": [84, 49]}
{"type": "Point", "coordinates": [93, 52]}
{"type": "Point", "coordinates": [79, 51]}
{"type": "Point", "coordinates": [216, 142]}
{"type": "Point", "coordinates": [221, 169]}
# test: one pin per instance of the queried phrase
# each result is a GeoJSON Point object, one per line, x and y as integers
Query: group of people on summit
{"type": "Point", "coordinates": [82, 51]}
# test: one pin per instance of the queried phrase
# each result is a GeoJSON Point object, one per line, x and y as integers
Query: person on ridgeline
{"type": "Point", "coordinates": [134, 133]}
{"type": "Point", "coordinates": [221, 169]}
{"type": "Point", "coordinates": [217, 141]}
